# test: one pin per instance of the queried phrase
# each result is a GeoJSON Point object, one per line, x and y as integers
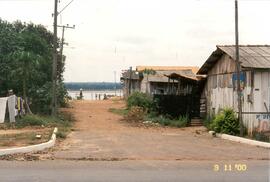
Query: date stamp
{"type": "Point", "coordinates": [230, 167]}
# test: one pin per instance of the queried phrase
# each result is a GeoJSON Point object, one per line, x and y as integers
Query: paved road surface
{"type": "Point", "coordinates": [130, 171]}
{"type": "Point", "coordinates": [105, 148]}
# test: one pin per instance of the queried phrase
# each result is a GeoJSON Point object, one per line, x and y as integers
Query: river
{"type": "Point", "coordinates": [94, 94]}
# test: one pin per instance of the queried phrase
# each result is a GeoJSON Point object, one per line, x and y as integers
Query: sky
{"type": "Point", "coordinates": [112, 35]}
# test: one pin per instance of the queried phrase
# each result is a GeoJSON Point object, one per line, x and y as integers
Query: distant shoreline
{"type": "Point", "coordinates": [95, 94]}
{"type": "Point", "coordinates": [91, 90]}
{"type": "Point", "coordinates": [92, 86]}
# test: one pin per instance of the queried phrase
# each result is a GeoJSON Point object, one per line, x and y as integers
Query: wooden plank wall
{"type": "Point", "coordinates": [219, 93]}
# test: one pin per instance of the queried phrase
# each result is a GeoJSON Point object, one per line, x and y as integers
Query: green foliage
{"type": "Point", "coordinates": [63, 120]}
{"type": "Point", "coordinates": [143, 107]}
{"type": "Point", "coordinates": [149, 71]}
{"type": "Point", "coordinates": [260, 136]}
{"type": "Point", "coordinates": [26, 64]}
{"type": "Point", "coordinates": [135, 113]}
{"type": "Point", "coordinates": [31, 120]}
{"type": "Point", "coordinates": [182, 121]}
{"type": "Point", "coordinates": [226, 122]}
{"type": "Point", "coordinates": [141, 100]}
{"type": "Point", "coordinates": [61, 134]}
{"type": "Point", "coordinates": [207, 122]}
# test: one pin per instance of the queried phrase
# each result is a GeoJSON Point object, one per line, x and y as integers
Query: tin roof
{"type": "Point", "coordinates": [161, 76]}
{"type": "Point", "coordinates": [251, 56]}
{"type": "Point", "coordinates": [168, 68]}
{"type": "Point", "coordinates": [177, 76]}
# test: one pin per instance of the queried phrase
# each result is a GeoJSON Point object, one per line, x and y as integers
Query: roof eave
{"type": "Point", "coordinates": [212, 59]}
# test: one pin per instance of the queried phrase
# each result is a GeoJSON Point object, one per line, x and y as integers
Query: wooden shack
{"type": "Point", "coordinates": [158, 82]}
{"type": "Point", "coordinates": [131, 82]}
{"type": "Point", "coordinates": [220, 88]}
{"type": "Point", "coordinates": [183, 95]}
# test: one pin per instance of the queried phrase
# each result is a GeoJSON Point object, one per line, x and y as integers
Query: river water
{"type": "Point", "coordinates": [94, 94]}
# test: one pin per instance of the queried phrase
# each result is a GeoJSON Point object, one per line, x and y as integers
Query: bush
{"type": "Point", "coordinates": [30, 120]}
{"type": "Point", "coordinates": [226, 122]}
{"type": "Point", "coordinates": [62, 134]}
{"type": "Point", "coordinates": [182, 121]}
{"type": "Point", "coordinates": [261, 136]}
{"type": "Point", "coordinates": [135, 113]}
{"type": "Point", "coordinates": [63, 120]}
{"type": "Point", "coordinates": [140, 100]}
{"type": "Point", "coordinates": [207, 122]}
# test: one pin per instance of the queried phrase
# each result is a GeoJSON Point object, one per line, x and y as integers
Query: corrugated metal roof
{"type": "Point", "coordinates": [251, 56]}
{"type": "Point", "coordinates": [168, 68]}
{"type": "Point", "coordinates": [160, 76]}
{"type": "Point", "coordinates": [177, 75]}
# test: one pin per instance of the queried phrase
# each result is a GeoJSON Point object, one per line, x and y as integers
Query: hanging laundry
{"type": "Point", "coordinates": [20, 106]}
{"type": "Point", "coordinates": [3, 105]}
{"type": "Point", "coordinates": [11, 108]}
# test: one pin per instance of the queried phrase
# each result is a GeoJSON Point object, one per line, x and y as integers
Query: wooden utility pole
{"type": "Point", "coordinates": [55, 55]}
{"type": "Point", "coordinates": [129, 83]}
{"type": "Point", "coordinates": [63, 38]}
{"type": "Point", "coordinates": [238, 70]}
{"type": "Point", "coordinates": [114, 83]}
{"type": "Point", "coordinates": [54, 68]}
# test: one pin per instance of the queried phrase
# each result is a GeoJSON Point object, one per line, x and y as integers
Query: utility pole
{"type": "Point", "coordinates": [238, 70]}
{"type": "Point", "coordinates": [55, 53]}
{"type": "Point", "coordinates": [129, 83]}
{"type": "Point", "coordinates": [115, 83]}
{"type": "Point", "coordinates": [63, 39]}
{"type": "Point", "coordinates": [54, 68]}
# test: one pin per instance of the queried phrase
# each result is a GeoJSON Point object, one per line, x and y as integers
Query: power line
{"type": "Point", "coordinates": [65, 7]}
{"type": "Point", "coordinates": [63, 35]}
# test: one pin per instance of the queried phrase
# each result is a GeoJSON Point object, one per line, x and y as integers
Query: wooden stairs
{"type": "Point", "coordinates": [196, 122]}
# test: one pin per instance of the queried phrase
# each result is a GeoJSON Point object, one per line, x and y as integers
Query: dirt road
{"type": "Point", "coordinates": [101, 135]}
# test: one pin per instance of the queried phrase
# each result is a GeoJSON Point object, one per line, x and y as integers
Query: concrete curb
{"type": "Point", "coordinates": [241, 140]}
{"type": "Point", "coordinates": [31, 148]}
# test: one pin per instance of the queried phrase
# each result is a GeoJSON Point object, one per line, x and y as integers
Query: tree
{"type": "Point", "coordinates": [25, 64]}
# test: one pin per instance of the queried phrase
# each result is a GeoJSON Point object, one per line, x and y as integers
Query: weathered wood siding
{"type": "Point", "coordinates": [145, 85]}
{"type": "Point", "coordinates": [220, 92]}
{"type": "Point", "coordinates": [135, 86]}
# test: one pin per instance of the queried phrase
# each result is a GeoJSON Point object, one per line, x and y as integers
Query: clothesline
{"type": "Point", "coordinates": [15, 107]}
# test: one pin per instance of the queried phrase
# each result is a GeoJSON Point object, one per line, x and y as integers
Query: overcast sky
{"type": "Point", "coordinates": [112, 35]}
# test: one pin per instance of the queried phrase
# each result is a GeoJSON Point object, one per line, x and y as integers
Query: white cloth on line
{"type": "Point", "coordinates": [11, 108]}
{"type": "Point", "coordinates": [3, 105]}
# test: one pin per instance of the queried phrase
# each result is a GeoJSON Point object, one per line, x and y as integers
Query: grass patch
{"type": "Point", "coordinates": [64, 122]}
{"type": "Point", "coordinates": [63, 132]}
{"type": "Point", "coordinates": [122, 112]}
{"type": "Point", "coordinates": [44, 121]}
{"type": "Point", "coordinates": [25, 138]}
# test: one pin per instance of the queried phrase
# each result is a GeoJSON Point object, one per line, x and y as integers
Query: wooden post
{"type": "Point", "coordinates": [129, 83]}
{"type": "Point", "coordinates": [238, 70]}
{"type": "Point", "coordinates": [54, 68]}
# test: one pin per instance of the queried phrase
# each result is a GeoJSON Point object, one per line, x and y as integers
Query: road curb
{"type": "Point", "coordinates": [31, 148]}
{"type": "Point", "coordinates": [241, 140]}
